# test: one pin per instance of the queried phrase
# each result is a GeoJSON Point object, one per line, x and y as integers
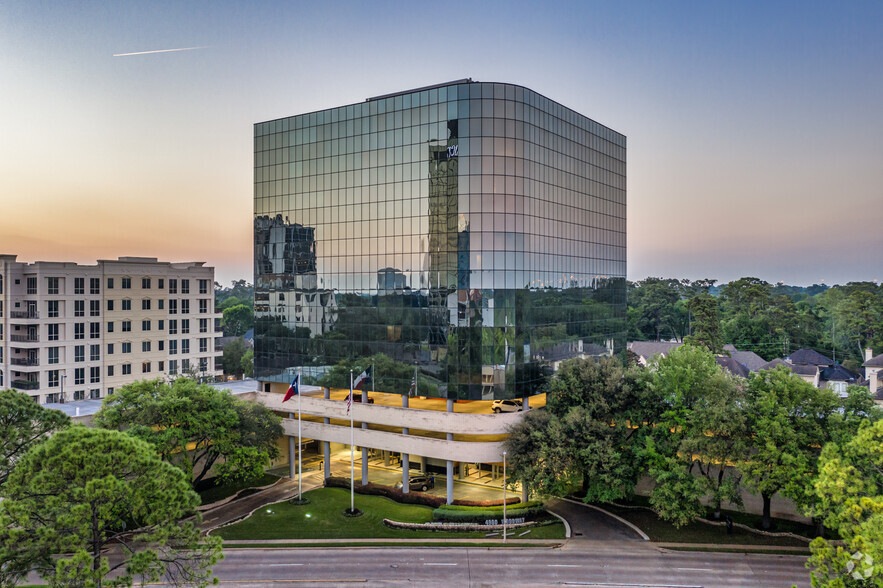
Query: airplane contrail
{"type": "Point", "coordinates": [159, 51]}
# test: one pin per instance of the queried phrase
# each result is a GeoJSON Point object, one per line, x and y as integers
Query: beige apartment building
{"type": "Point", "coordinates": [71, 332]}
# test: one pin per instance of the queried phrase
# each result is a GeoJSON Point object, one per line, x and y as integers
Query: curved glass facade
{"type": "Point", "coordinates": [473, 233]}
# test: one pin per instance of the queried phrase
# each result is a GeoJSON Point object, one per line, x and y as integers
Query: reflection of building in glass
{"type": "Point", "coordinates": [475, 229]}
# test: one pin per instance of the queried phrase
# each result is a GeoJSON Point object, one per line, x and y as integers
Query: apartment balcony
{"type": "Point", "coordinates": [25, 338]}
{"type": "Point", "coordinates": [25, 361]}
{"type": "Point", "coordinates": [24, 314]}
{"type": "Point", "coordinates": [25, 384]}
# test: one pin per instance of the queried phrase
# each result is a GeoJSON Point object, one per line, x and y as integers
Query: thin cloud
{"type": "Point", "coordinates": [159, 51]}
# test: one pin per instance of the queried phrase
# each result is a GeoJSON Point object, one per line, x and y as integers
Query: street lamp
{"type": "Point", "coordinates": [504, 497]}
{"type": "Point", "coordinates": [63, 376]}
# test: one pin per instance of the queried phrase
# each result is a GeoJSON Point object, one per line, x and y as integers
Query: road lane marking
{"type": "Point", "coordinates": [562, 565]}
{"type": "Point", "coordinates": [694, 569]}
{"type": "Point", "coordinates": [285, 564]}
{"type": "Point", "coordinates": [429, 563]}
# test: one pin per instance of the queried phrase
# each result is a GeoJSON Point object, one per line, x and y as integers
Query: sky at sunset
{"type": "Point", "coordinates": [755, 129]}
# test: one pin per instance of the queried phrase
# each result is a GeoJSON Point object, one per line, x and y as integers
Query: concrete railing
{"type": "Point", "coordinates": [394, 416]}
{"type": "Point", "coordinates": [467, 451]}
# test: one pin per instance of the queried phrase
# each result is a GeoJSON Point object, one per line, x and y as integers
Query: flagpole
{"type": "Point", "coordinates": [300, 443]}
{"type": "Point", "coordinates": [352, 455]}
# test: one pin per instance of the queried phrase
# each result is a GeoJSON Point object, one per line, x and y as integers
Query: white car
{"type": "Point", "coordinates": [499, 406]}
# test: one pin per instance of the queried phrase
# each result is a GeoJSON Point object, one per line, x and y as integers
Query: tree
{"type": "Point", "coordinates": [789, 421]}
{"type": "Point", "coordinates": [247, 363]}
{"type": "Point", "coordinates": [195, 426]}
{"type": "Point", "coordinates": [238, 319]}
{"type": "Point", "coordinates": [106, 502]}
{"type": "Point", "coordinates": [701, 430]}
{"type": "Point", "coordinates": [23, 423]}
{"type": "Point", "coordinates": [234, 351]}
{"type": "Point", "coordinates": [705, 327]}
{"type": "Point", "coordinates": [595, 413]}
{"type": "Point", "coordinates": [849, 489]}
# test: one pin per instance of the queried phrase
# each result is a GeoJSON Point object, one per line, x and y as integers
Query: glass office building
{"type": "Point", "coordinates": [473, 233]}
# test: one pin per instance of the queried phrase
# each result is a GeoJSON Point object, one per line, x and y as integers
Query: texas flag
{"type": "Point", "coordinates": [362, 379]}
{"type": "Point", "coordinates": [293, 389]}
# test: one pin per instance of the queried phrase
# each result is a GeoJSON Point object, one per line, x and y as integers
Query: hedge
{"type": "Point", "coordinates": [509, 506]}
{"type": "Point", "coordinates": [480, 516]}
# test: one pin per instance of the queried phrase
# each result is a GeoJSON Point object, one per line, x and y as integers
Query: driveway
{"type": "Point", "coordinates": [587, 523]}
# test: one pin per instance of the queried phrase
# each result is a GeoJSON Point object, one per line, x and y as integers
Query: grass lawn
{"type": "Point", "coordinates": [216, 493]}
{"type": "Point", "coordinates": [659, 530]}
{"type": "Point", "coordinates": [323, 519]}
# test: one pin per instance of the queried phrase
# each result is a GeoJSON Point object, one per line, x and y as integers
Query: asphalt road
{"type": "Point", "coordinates": [584, 563]}
{"type": "Point", "coordinates": [588, 523]}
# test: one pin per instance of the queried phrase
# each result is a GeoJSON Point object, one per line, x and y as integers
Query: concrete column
{"type": "Point", "coordinates": [385, 457]}
{"type": "Point", "coordinates": [525, 403]}
{"type": "Point", "coordinates": [449, 466]}
{"type": "Point", "coordinates": [364, 449]}
{"type": "Point", "coordinates": [291, 456]}
{"type": "Point", "coordinates": [524, 496]}
{"type": "Point", "coordinates": [424, 464]}
{"type": "Point", "coordinates": [326, 446]}
{"type": "Point", "coordinates": [406, 466]}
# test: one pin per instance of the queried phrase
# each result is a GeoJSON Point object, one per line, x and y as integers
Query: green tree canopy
{"type": "Point", "coordinates": [238, 319]}
{"type": "Point", "coordinates": [23, 423]}
{"type": "Point", "coordinates": [106, 502]}
{"type": "Point", "coordinates": [705, 326]}
{"type": "Point", "coordinates": [849, 489]}
{"type": "Point", "coordinates": [195, 425]}
{"type": "Point", "coordinates": [234, 351]}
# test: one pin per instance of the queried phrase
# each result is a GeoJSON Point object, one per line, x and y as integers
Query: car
{"type": "Point", "coordinates": [418, 482]}
{"type": "Point", "coordinates": [499, 406]}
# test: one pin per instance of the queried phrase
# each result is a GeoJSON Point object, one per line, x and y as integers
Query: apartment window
{"type": "Point", "coordinates": [161, 366]}
{"type": "Point", "coordinates": [52, 352]}
{"type": "Point", "coordinates": [203, 306]}
{"type": "Point", "coordinates": [94, 352]}
{"type": "Point", "coordinates": [127, 304]}
{"type": "Point", "coordinates": [79, 376]}
{"type": "Point", "coordinates": [79, 330]}
{"type": "Point", "coordinates": [173, 286]}
{"type": "Point", "coordinates": [203, 345]}
{"type": "Point", "coordinates": [185, 306]}
{"type": "Point", "coordinates": [79, 353]}
{"type": "Point", "coordinates": [126, 283]}
{"type": "Point", "coordinates": [50, 398]}
{"type": "Point", "coordinates": [185, 365]}
{"type": "Point", "coordinates": [160, 304]}
{"type": "Point", "coordinates": [145, 367]}
{"type": "Point", "coordinates": [173, 307]}
{"type": "Point", "coordinates": [185, 286]}
{"type": "Point", "coordinates": [160, 325]}
{"type": "Point", "coordinates": [173, 327]}
{"type": "Point", "coordinates": [160, 283]}
{"type": "Point", "coordinates": [173, 347]}
{"type": "Point", "coordinates": [94, 286]}
{"type": "Point", "coordinates": [52, 376]}
{"type": "Point", "coordinates": [110, 391]}
{"type": "Point", "coordinates": [145, 325]}
{"type": "Point", "coordinates": [110, 305]}
{"type": "Point", "coordinates": [109, 371]}
{"type": "Point", "coordinates": [79, 285]}
{"type": "Point", "coordinates": [79, 394]}
{"type": "Point", "coordinates": [53, 332]}
{"type": "Point", "coordinates": [162, 345]}
{"type": "Point", "coordinates": [185, 345]}
{"type": "Point", "coordinates": [203, 286]}
{"type": "Point", "coordinates": [110, 283]}
{"type": "Point", "coordinates": [203, 325]}
{"type": "Point", "coordinates": [126, 347]}
{"type": "Point", "coordinates": [173, 367]}
{"type": "Point", "coordinates": [145, 283]}
{"type": "Point", "coordinates": [52, 308]}
{"type": "Point", "coordinates": [94, 307]}
{"type": "Point", "coordinates": [32, 285]}
{"type": "Point", "coordinates": [52, 285]}
{"type": "Point", "coordinates": [145, 304]}
{"type": "Point", "coordinates": [94, 374]}
{"type": "Point", "coordinates": [185, 326]}
{"type": "Point", "coordinates": [145, 346]}
{"type": "Point", "coordinates": [127, 369]}
{"type": "Point", "coordinates": [127, 326]}
{"type": "Point", "coordinates": [94, 330]}
{"type": "Point", "coordinates": [95, 393]}
{"type": "Point", "coordinates": [203, 364]}
{"type": "Point", "coordinates": [79, 308]}
{"type": "Point", "coordinates": [110, 326]}
{"type": "Point", "coordinates": [110, 348]}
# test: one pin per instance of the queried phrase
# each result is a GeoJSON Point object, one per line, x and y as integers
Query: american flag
{"type": "Point", "coordinates": [413, 389]}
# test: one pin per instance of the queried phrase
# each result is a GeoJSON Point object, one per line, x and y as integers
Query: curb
{"type": "Point", "coordinates": [632, 526]}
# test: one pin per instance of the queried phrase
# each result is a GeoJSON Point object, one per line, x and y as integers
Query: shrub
{"type": "Point", "coordinates": [392, 493]}
{"type": "Point", "coordinates": [509, 506]}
